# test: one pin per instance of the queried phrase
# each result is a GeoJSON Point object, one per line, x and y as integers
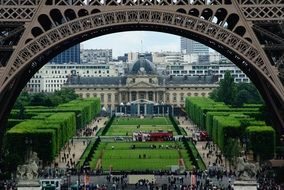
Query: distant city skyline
{"type": "Point", "coordinates": [124, 42]}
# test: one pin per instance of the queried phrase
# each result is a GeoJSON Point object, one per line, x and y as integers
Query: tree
{"type": "Point", "coordinates": [235, 94]}
{"type": "Point", "coordinates": [242, 96]}
{"type": "Point", "coordinates": [253, 94]}
{"type": "Point", "coordinates": [227, 88]}
{"type": "Point", "coordinates": [23, 100]}
{"type": "Point", "coordinates": [38, 99]}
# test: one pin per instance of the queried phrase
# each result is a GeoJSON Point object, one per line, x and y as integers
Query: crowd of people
{"type": "Point", "coordinates": [266, 179]}
{"type": "Point", "coordinates": [8, 185]}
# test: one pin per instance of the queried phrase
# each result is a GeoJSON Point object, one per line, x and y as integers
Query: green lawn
{"type": "Point", "coordinates": [123, 158]}
{"type": "Point", "coordinates": [125, 126]}
{"type": "Point", "coordinates": [143, 121]}
{"type": "Point", "coordinates": [127, 130]}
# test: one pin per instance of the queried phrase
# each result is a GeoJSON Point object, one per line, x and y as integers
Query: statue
{"type": "Point", "coordinates": [245, 170]}
{"type": "Point", "coordinates": [29, 171]}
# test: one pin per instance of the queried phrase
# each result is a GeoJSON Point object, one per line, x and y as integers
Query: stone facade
{"type": "Point", "coordinates": [142, 83]}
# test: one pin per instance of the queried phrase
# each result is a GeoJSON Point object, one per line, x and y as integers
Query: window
{"type": "Point", "coordinates": [102, 97]}
{"type": "Point", "coordinates": [123, 98]}
{"type": "Point", "coordinates": [150, 96]}
{"type": "Point", "coordinates": [181, 96]}
{"type": "Point", "coordinates": [174, 97]}
{"type": "Point", "coordinates": [141, 95]}
{"type": "Point", "coordinates": [161, 97]}
{"type": "Point", "coordinates": [133, 96]}
{"type": "Point", "coordinates": [167, 97]}
{"type": "Point", "coordinates": [195, 94]}
{"type": "Point", "coordinates": [109, 97]}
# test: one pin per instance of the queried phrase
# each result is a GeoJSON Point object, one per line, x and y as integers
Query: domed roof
{"type": "Point", "coordinates": [142, 66]}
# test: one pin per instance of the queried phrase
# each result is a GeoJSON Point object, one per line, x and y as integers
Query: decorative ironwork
{"type": "Point", "coordinates": [250, 32]}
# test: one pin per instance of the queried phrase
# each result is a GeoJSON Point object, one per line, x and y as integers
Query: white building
{"type": "Point", "coordinates": [190, 58]}
{"type": "Point", "coordinates": [95, 56]}
{"type": "Point", "coordinates": [52, 76]}
{"type": "Point", "coordinates": [132, 56]}
{"type": "Point", "coordinates": [217, 70]}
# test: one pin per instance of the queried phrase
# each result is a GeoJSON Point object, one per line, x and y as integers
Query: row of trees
{"type": "Point", "coordinates": [45, 130]}
{"type": "Point", "coordinates": [236, 94]}
{"type": "Point", "coordinates": [231, 127]}
{"type": "Point", "coordinates": [45, 99]}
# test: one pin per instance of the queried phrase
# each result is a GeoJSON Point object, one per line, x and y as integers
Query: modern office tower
{"type": "Point", "coordinates": [71, 55]}
{"type": "Point", "coordinates": [192, 47]}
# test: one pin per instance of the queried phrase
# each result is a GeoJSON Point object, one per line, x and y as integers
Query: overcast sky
{"type": "Point", "coordinates": [124, 42]}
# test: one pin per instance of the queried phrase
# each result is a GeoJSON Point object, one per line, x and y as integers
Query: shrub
{"type": "Point", "coordinates": [262, 141]}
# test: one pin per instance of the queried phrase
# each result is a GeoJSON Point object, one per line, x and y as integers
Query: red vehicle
{"type": "Point", "coordinates": [160, 136]}
{"type": "Point", "coordinates": [203, 135]}
{"type": "Point", "coordinates": [200, 135]}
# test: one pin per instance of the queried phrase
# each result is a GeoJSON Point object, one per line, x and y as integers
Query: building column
{"type": "Point", "coordinates": [154, 94]}
{"type": "Point", "coordinates": [145, 109]}
{"type": "Point", "coordinates": [147, 95]}
{"type": "Point", "coordinates": [137, 95]}
{"type": "Point", "coordinates": [119, 97]}
{"type": "Point", "coordinates": [138, 109]}
{"type": "Point", "coordinates": [164, 97]}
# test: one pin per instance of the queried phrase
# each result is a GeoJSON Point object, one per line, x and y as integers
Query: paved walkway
{"type": "Point", "coordinates": [190, 129]}
{"type": "Point", "coordinates": [76, 146]}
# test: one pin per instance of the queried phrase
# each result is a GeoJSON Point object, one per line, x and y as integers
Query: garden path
{"type": "Point", "coordinates": [190, 129]}
{"type": "Point", "coordinates": [78, 146]}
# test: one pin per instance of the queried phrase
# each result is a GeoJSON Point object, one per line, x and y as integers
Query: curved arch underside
{"type": "Point", "coordinates": [55, 30]}
{"type": "Point", "coordinates": [219, 38]}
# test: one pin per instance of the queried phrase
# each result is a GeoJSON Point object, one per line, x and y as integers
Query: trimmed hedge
{"type": "Point", "coordinates": [262, 141]}
{"type": "Point", "coordinates": [198, 107]}
{"type": "Point", "coordinates": [225, 127]}
{"type": "Point", "coordinates": [43, 140]}
{"type": "Point", "coordinates": [53, 133]}
{"type": "Point", "coordinates": [174, 123]}
{"type": "Point", "coordinates": [222, 122]}
{"type": "Point", "coordinates": [13, 122]}
{"type": "Point", "coordinates": [108, 125]}
{"type": "Point", "coordinates": [85, 110]}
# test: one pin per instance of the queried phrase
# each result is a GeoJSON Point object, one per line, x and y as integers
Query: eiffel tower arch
{"type": "Point", "coordinates": [248, 32]}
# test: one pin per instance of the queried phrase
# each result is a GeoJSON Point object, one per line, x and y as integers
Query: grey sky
{"type": "Point", "coordinates": [124, 42]}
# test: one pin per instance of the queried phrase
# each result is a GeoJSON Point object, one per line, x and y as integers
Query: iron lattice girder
{"type": "Point", "coordinates": [11, 33]}
{"type": "Point", "coordinates": [85, 24]}
{"type": "Point", "coordinates": [269, 34]}
{"type": "Point", "coordinates": [278, 47]}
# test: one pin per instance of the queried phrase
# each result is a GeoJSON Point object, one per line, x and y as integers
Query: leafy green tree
{"type": "Point", "coordinates": [38, 99]}
{"type": "Point", "coordinates": [23, 100]}
{"type": "Point", "coordinates": [235, 94]}
{"type": "Point", "coordinates": [241, 97]}
{"type": "Point", "coordinates": [227, 88]}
